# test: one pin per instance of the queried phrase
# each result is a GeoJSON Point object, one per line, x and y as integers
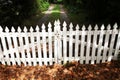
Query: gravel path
{"type": "Point", "coordinates": [63, 15]}
{"type": "Point", "coordinates": [47, 14]}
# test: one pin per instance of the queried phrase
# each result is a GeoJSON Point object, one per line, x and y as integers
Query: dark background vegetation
{"type": "Point", "coordinates": [14, 12]}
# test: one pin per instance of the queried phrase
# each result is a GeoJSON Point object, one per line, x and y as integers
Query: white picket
{"type": "Point", "coordinates": [88, 44]}
{"type": "Point", "coordinates": [117, 51]}
{"type": "Point", "coordinates": [28, 57]}
{"type": "Point", "coordinates": [55, 42]}
{"type": "Point", "coordinates": [5, 55]}
{"type": "Point", "coordinates": [70, 42]}
{"type": "Point", "coordinates": [107, 35]}
{"type": "Point", "coordinates": [44, 44]}
{"type": "Point", "coordinates": [110, 56]}
{"type": "Point", "coordinates": [94, 44]}
{"type": "Point", "coordinates": [65, 43]}
{"type": "Point", "coordinates": [21, 47]}
{"type": "Point", "coordinates": [10, 45]}
{"type": "Point", "coordinates": [100, 44]}
{"type": "Point", "coordinates": [76, 42]}
{"type": "Point", "coordinates": [59, 43]}
{"type": "Point", "coordinates": [2, 54]}
{"type": "Point", "coordinates": [50, 42]}
{"type": "Point", "coordinates": [38, 45]}
{"type": "Point", "coordinates": [33, 47]}
{"type": "Point", "coordinates": [82, 44]}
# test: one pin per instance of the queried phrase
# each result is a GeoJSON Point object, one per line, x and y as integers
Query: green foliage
{"type": "Point", "coordinates": [14, 12]}
{"type": "Point", "coordinates": [42, 5]}
{"type": "Point", "coordinates": [55, 13]}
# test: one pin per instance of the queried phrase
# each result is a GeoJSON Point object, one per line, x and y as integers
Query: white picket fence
{"type": "Point", "coordinates": [41, 47]}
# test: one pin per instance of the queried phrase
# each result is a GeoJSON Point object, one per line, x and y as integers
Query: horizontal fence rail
{"type": "Point", "coordinates": [40, 47]}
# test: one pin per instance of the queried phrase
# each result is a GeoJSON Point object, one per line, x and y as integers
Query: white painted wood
{"type": "Point", "coordinates": [64, 42]}
{"type": "Point", "coordinates": [110, 56]}
{"type": "Point", "coordinates": [21, 46]}
{"type": "Point", "coordinates": [55, 42]}
{"type": "Point", "coordinates": [47, 41]}
{"type": "Point", "coordinates": [94, 45]}
{"type": "Point", "coordinates": [27, 47]}
{"type": "Point", "coordinates": [1, 52]}
{"type": "Point", "coordinates": [44, 44]}
{"type": "Point", "coordinates": [70, 42]}
{"type": "Point", "coordinates": [15, 46]}
{"type": "Point", "coordinates": [76, 42]}
{"type": "Point", "coordinates": [11, 46]}
{"type": "Point", "coordinates": [59, 44]}
{"type": "Point", "coordinates": [106, 43]}
{"type": "Point", "coordinates": [39, 45]}
{"type": "Point", "coordinates": [33, 47]}
{"type": "Point", "coordinates": [82, 44]}
{"type": "Point", "coordinates": [50, 43]}
{"type": "Point", "coordinates": [100, 44]}
{"type": "Point", "coordinates": [117, 50]}
{"type": "Point", "coordinates": [88, 44]}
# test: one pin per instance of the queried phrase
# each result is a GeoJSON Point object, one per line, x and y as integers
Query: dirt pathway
{"type": "Point", "coordinates": [63, 14]}
{"type": "Point", "coordinates": [45, 18]}
{"type": "Point", "coordinates": [47, 14]}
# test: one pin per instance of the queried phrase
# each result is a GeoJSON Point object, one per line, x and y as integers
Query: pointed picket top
{"type": "Point", "coordinates": [89, 27]}
{"type": "Point", "coordinates": [19, 29]}
{"type": "Point", "coordinates": [96, 27]}
{"type": "Point", "coordinates": [77, 27]}
{"type": "Point", "coordinates": [13, 29]}
{"type": "Point", "coordinates": [108, 27]}
{"type": "Point", "coordinates": [31, 29]}
{"type": "Point", "coordinates": [64, 24]}
{"type": "Point", "coordinates": [6, 29]}
{"type": "Point", "coordinates": [43, 26]}
{"type": "Point", "coordinates": [37, 28]}
{"type": "Point", "coordinates": [115, 26]}
{"type": "Point", "coordinates": [25, 29]}
{"type": "Point", "coordinates": [71, 26]}
{"type": "Point", "coordinates": [102, 27]}
{"type": "Point", "coordinates": [55, 22]}
{"type": "Point", "coordinates": [1, 29]}
{"type": "Point", "coordinates": [83, 27]}
{"type": "Point", "coordinates": [58, 21]}
{"type": "Point", "coordinates": [49, 25]}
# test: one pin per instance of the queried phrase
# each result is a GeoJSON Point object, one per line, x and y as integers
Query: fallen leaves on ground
{"type": "Point", "coordinates": [69, 71]}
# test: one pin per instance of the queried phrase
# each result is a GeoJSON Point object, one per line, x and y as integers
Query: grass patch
{"type": "Point", "coordinates": [55, 13]}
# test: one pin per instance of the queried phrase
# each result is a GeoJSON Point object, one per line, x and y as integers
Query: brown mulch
{"type": "Point", "coordinates": [70, 71]}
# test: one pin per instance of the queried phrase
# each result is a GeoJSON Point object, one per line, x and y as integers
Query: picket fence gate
{"type": "Point", "coordinates": [85, 45]}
